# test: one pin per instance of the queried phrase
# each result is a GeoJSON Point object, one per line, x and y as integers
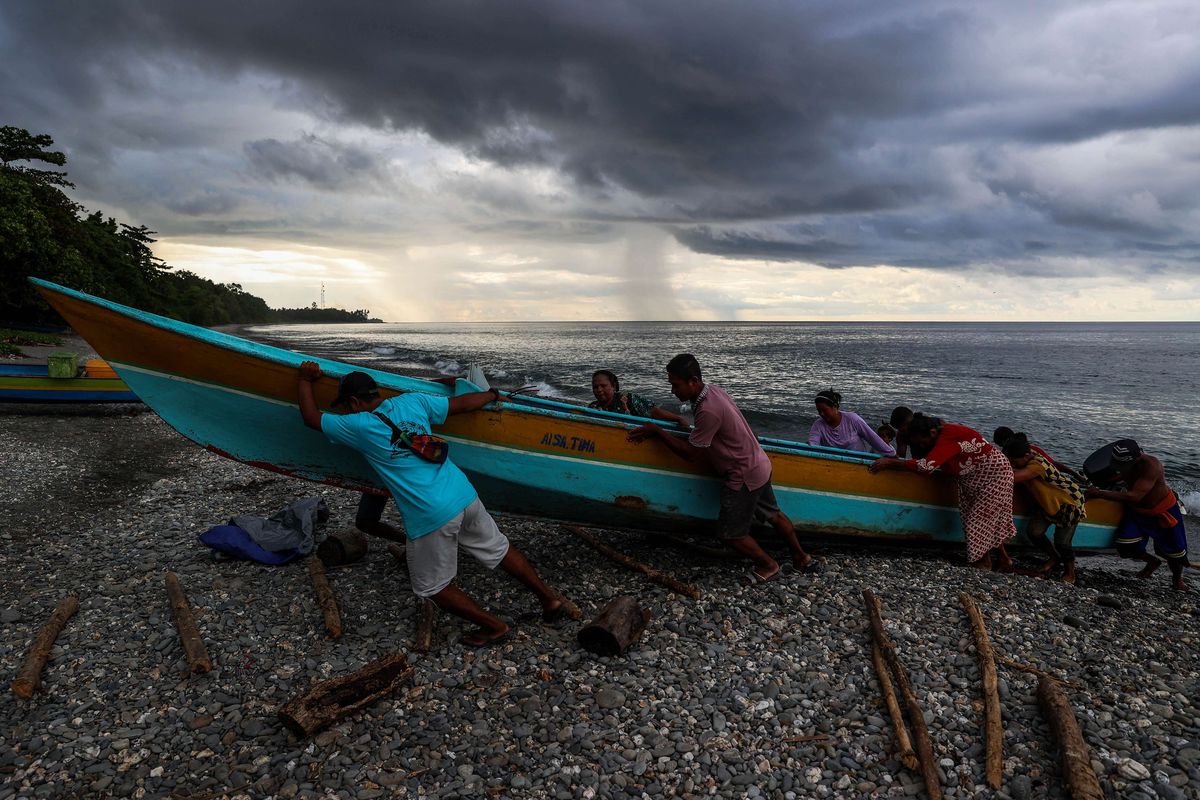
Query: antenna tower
{"type": "Point", "coordinates": [322, 295]}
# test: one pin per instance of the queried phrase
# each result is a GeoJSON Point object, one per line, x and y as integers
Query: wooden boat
{"type": "Point", "coordinates": [31, 383]}
{"type": "Point", "coordinates": [529, 456]}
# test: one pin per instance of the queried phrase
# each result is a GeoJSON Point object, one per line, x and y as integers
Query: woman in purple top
{"type": "Point", "coordinates": [844, 429]}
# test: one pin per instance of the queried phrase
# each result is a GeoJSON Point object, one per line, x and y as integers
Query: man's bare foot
{"type": "Point", "coordinates": [984, 563]}
{"type": "Point", "coordinates": [1049, 565]}
{"type": "Point", "coordinates": [1068, 577]}
{"type": "Point", "coordinates": [1180, 585]}
{"type": "Point", "coordinates": [555, 609]}
{"type": "Point", "coordinates": [1151, 566]}
{"type": "Point", "coordinates": [484, 637]}
{"type": "Point", "coordinates": [803, 562]}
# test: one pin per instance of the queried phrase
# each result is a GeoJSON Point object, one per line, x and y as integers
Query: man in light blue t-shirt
{"type": "Point", "coordinates": [439, 505]}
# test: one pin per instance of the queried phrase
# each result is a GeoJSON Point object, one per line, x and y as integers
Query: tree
{"type": "Point", "coordinates": [18, 144]}
{"type": "Point", "coordinates": [45, 234]}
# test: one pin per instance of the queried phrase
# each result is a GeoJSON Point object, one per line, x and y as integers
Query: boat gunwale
{"type": "Point", "coordinates": [537, 405]}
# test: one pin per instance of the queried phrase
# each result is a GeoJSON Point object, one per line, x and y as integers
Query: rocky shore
{"type": "Point", "coordinates": [722, 697]}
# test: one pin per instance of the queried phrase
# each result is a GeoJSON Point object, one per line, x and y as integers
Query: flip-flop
{"type": "Point", "coordinates": [478, 640]}
{"type": "Point", "coordinates": [752, 578]}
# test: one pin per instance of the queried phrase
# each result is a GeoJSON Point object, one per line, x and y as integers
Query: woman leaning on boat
{"type": "Point", "coordinates": [985, 483]}
{"type": "Point", "coordinates": [609, 397]}
{"type": "Point", "coordinates": [844, 429]}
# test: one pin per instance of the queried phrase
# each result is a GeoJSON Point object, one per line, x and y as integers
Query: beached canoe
{"type": "Point", "coordinates": [530, 456]}
{"type": "Point", "coordinates": [31, 383]}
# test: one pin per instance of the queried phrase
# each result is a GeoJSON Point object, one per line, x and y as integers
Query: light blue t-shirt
{"type": "Point", "coordinates": [428, 495]}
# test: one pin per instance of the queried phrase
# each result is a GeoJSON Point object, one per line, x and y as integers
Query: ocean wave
{"type": "Point", "coordinates": [1190, 502]}
{"type": "Point", "coordinates": [448, 366]}
{"type": "Point", "coordinates": [546, 390]}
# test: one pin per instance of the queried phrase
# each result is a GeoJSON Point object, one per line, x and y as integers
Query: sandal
{"type": "Point", "coordinates": [752, 578]}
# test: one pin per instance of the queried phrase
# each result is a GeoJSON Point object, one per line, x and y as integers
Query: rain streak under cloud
{"type": "Point", "coordinates": [553, 160]}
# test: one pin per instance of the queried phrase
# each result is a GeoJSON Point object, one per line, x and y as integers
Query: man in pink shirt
{"type": "Point", "coordinates": [723, 440]}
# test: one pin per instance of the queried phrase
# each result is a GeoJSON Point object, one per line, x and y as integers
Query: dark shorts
{"type": "Point", "coordinates": [741, 508]}
{"type": "Point", "coordinates": [371, 508]}
{"type": "Point", "coordinates": [1136, 530]}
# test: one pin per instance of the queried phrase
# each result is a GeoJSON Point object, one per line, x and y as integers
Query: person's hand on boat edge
{"type": "Point", "coordinates": [881, 464]}
{"type": "Point", "coordinates": [310, 371]}
{"type": "Point", "coordinates": [644, 432]}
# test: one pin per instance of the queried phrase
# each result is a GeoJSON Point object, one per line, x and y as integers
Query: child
{"type": "Point", "coordinates": [1058, 500]}
{"type": "Point", "coordinates": [886, 432]}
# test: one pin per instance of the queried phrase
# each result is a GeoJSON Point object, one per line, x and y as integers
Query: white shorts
{"type": "Point", "coordinates": [433, 558]}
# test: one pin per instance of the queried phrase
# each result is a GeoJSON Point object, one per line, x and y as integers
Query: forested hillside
{"type": "Point", "coordinates": [45, 234]}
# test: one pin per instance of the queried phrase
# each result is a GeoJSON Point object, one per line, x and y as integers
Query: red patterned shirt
{"type": "Point", "coordinates": [954, 451]}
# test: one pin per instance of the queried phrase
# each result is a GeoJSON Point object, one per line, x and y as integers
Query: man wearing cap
{"type": "Point", "coordinates": [441, 509]}
{"type": "Point", "coordinates": [1151, 512]}
{"type": "Point", "coordinates": [724, 441]}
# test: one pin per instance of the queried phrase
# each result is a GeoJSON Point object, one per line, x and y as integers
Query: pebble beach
{"type": "Point", "coordinates": [766, 691]}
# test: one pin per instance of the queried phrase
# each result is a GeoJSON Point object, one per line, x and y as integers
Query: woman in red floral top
{"type": "Point", "coordinates": [985, 483]}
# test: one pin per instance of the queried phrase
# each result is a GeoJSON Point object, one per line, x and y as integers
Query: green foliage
{"type": "Point", "coordinates": [45, 234]}
{"type": "Point", "coordinates": [322, 315]}
{"type": "Point", "coordinates": [11, 341]}
{"type": "Point", "coordinates": [30, 338]}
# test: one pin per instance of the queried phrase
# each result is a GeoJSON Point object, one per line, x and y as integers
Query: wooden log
{"type": "Point", "coordinates": [185, 623]}
{"type": "Point", "coordinates": [329, 701]}
{"type": "Point", "coordinates": [655, 575]}
{"type": "Point", "coordinates": [715, 553]}
{"type": "Point", "coordinates": [904, 748]}
{"type": "Point", "coordinates": [916, 719]}
{"type": "Point", "coordinates": [426, 613]}
{"type": "Point", "coordinates": [343, 547]}
{"type": "Point", "coordinates": [325, 598]}
{"type": "Point", "coordinates": [618, 625]}
{"type": "Point", "coordinates": [992, 718]}
{"type": "Point", "coordinates": [1075, 757]}
{"type": "Point", "coordinates": [1039, 673]}
{"type": "Point", "coordinates": [29, 678]}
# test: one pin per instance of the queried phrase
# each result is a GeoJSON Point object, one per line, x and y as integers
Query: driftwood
{"type": "Point", "coordinates": [426, 613]}
{"type": "Point", "coordinates": [615, 628]}
{"type": "Point", "coordinates": [343, 547]}
{"type": "Point", "coordinates": [328, 603]}
{"type": "Point", "coordinates": [329, 701]}
{"type": "Point", "coordinates": [185, 623]}
{"type": "Point", "coordinates": [655, 575]}
{"type": "Point", "coordinates": [993, 724]}
{"type": "Point", "coordinates": [904, 748]}
{"type": "Point", "coordinates": [1074, 755]}
{"type": "Point", "coordinates": [29, 679]}
{"type": "Point", "coordinates": [1040, 673]}
{"type": "Point", "coordinates": [916, 719]}
{"type": "Point", "coordinates": [715, 553]}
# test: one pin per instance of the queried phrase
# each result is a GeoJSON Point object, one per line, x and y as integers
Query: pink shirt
{"type": "Point", "coordinates": [734, 449]}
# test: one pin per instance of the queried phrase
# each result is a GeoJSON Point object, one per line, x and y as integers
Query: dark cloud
{"type": "Point", "coordinates": [850, 133]}
{"type": "Point", "coordinates": [321, 163]}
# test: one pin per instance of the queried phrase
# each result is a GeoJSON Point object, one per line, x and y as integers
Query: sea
{"type": "Point", "coordinates": [1072, 387]}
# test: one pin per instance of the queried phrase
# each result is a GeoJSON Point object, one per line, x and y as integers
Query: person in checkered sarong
{"type": "Point", "coordinates": [985, 483]}
{"type": "Point", "coordinates": [1057, 500]}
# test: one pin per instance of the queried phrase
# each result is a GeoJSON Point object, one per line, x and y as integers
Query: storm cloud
{"type": "Point", "coordinates": [1023, 138]}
